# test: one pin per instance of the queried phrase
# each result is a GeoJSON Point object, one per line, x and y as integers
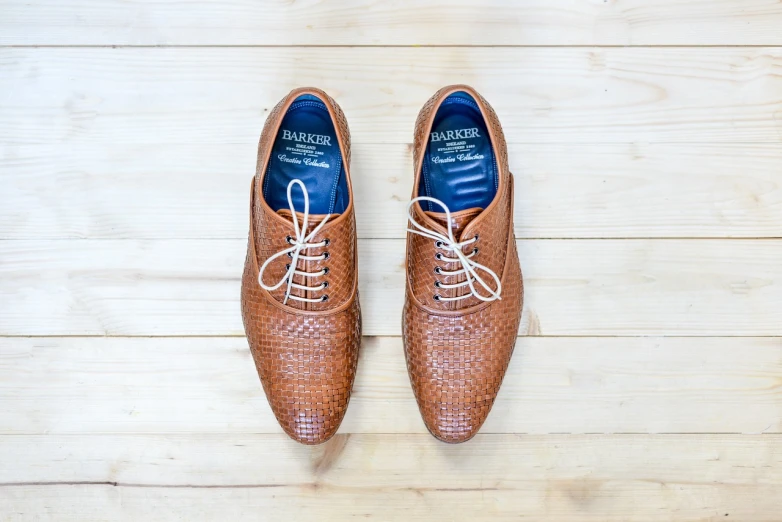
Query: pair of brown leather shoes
{"type": "Point", "coordinates": [464, 290]}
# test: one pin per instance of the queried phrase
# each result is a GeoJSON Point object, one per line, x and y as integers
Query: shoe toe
{"type": "Point", "coordinates": [308, 384]}
{"type": "Point", "coordinates": [310, 418]}
{"type": "Point", "coordinates": [456, 368]}
{"type": "Point", "coordinates": [307, 365]}
{"type": "Point", "coordinates": [454, 403]}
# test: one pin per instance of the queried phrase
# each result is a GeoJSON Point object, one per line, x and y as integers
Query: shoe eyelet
{"type": "Point", "coordinates": [474, 250]}
{"type": "Point", "coordinates": [324, 284]}
{"type": "Point", "coordinates": [326, 255]}
{"type": "Point", "coordinates": [438, 244]}
{"type": "Point", "coordinates": [288, 239]}
{"type": "Point", "coordinates": [324, 298]}
{"type": "Point", "coordinates": [290, 254]}
{"type": "Point", "coordinates": [436, 297]}
{"type": "Point", "coordinates": [437, 284]}
{"type": "Point", "coordinates": [287, 266]}
{"type": "Point", "coordinates": [326, 242]}
{"type": "Point", "coordinates": [438, 256]}
{"type": "Point", "coordinates": [325, 270]}
{"type": "Point", "coordinates": [477, 237]}
{"type": "Point", "coordinates": [438, 270]}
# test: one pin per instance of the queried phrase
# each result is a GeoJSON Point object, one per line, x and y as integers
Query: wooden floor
{"type": "Point", "coordinates": [646, 141]}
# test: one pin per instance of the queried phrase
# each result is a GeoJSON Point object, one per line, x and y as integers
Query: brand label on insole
{"type": "Point", "coordinates": [455, 145]}
{"type": "Point", "coordinates": [305, 149]}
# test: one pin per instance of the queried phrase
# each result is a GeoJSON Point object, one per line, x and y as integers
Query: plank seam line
{"type": "Point", "coordinates": [141, 485]}
{"type": "Point", "coordinates": [493, 434]}
{"type": "Point", "coordinates": [402, 238]}
{"type": "Point", "coordinates": [390, 336]}
{"type": "Point", "coordinates": [560, 144]}
{"type": "Point", "coordinates": [214, 486]}
{"type": "Point", "coordinates": [769, 143]}
{"type": "Point", "coordinates": [387, 46]}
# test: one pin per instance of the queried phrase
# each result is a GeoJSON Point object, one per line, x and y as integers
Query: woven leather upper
{"type": "Point", "coordinates": [305, 353]}
{"type": "Point", "coordinates": [458, 351]}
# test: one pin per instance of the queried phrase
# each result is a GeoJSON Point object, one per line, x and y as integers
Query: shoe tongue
{"type": "Point", "coordinates": [459, 220]}
{"type": "Point", "coordinates": [314, 219]}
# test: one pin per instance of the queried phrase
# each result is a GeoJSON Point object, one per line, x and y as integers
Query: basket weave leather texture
{"type": "Point", "coordinates": [305, 353]}
{"type": "Point", "coordinates": [457, 352]}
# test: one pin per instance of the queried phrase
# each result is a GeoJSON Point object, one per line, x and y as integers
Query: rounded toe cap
{"type": "Point", "coordinates": [456, 427]}
{"type": "Point", "coordinates": [456, 373]}
{"type": "Point", "coordinates": [307, 370]}
{"type": "Point", "coordinates": [453, 409]}
{"type": "Point", "coordinates": [309, 394]}
{"type": "Point", "coordinates": [311, 422]}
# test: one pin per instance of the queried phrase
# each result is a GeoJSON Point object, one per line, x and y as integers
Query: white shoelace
{"type": "Point", "coordinates": [449, 244]}
{"type": "Point", "coordinates": [299, 243]}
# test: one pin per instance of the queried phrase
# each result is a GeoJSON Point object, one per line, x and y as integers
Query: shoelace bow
{"type": "Point", "coordinates": [299, 242]}
{"type": "Point", "coordinates": [449, 244]}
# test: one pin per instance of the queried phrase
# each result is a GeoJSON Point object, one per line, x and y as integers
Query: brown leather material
{"type": "Point", "coordinates": [305, 353]}
{"type": "Point", "coordinates": [458, 351]}
{"type": "Point", "coordinates": [459, 220]}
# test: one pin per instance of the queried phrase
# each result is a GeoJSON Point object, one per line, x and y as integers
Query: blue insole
{"type": "Point", "coordinates": [306, 148]}
{"type": "Point", "coordinates": [459, 166]}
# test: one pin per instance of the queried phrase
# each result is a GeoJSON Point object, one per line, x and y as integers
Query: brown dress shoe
{"type": "Point", "coordinates": [464, 288]}
{"type": "Point", "coordinates": [300, 284]}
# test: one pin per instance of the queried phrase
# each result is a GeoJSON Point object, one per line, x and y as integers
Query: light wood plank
{"type": "Point", "coordinates": [553, 385]}
{"type": "Point", "coordinates": [407, 22]}
{"type": "Point", "coordinates": [566, 501]}
{"type": "Point", "coordinates": [572, 287]}
{"type": "Point", "coordinates": [388, 460]}
{"type": "Point", "coordinates": [562, 191]}
{"type": "Point", "coordinates": [390, 477]}
{"type": "Point", "coordinates": [195, 96]}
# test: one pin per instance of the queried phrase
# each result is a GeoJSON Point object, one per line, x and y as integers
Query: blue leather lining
{"type": "Point", "coordinates": [459, 166]}
{"type": "Point", "coordinates": [306, 148]}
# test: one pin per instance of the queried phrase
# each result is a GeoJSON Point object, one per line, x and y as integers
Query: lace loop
{"type": "Point", "coordinates": [448, 243]}
{"type": "Point", "coordinates": [299, 242]}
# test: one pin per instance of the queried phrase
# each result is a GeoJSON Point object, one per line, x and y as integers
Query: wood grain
{"type": "Point", "coordinates": [644, 137]}
{"type": "Point", "coordinates": [554, 385]}
{"type": "Point", "coordinates": [562, 191]}
{"type": "Point", "coordinates": [567, 501]}
{"type": "Point", "coordinates": [407, 22]}
{"type": "Point", "coordinates": [196, 96]}
{"type": "Point", "coordinates": [566, 478]}
{"type": "Point", "coordinates": [572, 287]}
